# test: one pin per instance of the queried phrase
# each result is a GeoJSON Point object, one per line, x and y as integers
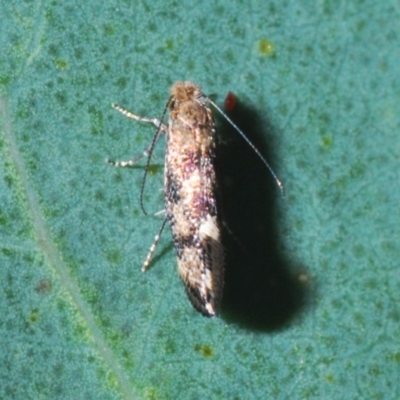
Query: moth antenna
{"type": "Point", "coordinates": [278, 182]}
{"type": "Point", "coordinates": [151, 148]}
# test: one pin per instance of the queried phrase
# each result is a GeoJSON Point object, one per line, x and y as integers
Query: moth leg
{"type": "Point", "coordinates": [153, 246]}
{"type": "Point", "coordinates": [162, 128]}
{"type": "Point", "coordinates": [154, 121]}
{"type": "Point", "coordinates": [128, 163]}
{"type": "Point", "coordinates": [161, 212]}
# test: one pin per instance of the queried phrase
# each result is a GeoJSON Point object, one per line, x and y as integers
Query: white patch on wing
{"type": "Point", "coordinates": [209, 228]}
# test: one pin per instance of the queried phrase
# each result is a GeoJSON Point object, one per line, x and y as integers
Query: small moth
{"type": "Point", "coordinates": [191, 192]}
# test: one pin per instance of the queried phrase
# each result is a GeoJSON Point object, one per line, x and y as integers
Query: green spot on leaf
{"type": "Point", "coordinates": [61, 64]}
{"type": "Point", "coordinates": [34, 315]}
{"type": "Point", "coordinates": [108, 29]}
{"type": "Point", "coordinates": [266, 47]}
{"type": "Point", "coordinates": [169, 44]}
{"type": "Point", "coordinates": [113, 256]}
{"type": "Point", "coordinates": [327, 141]}
{"type": "Point", "coordinates": [204, 350]}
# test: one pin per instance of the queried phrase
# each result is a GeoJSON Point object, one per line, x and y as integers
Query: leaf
{"type": "Point", "coordinates": [311, 299]}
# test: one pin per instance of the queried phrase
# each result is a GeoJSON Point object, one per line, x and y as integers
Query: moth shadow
{"type": "Point", "coordinates": [261, 290]}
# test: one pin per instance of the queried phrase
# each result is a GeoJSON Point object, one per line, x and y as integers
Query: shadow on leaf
{"type": "Point", "coordinates": [261, 290]}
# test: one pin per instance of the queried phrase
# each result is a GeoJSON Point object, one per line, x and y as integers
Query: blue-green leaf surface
{"type": "Point", "coordinates": [311, 307]}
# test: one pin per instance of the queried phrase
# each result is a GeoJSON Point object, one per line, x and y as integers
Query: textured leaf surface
{"type": "Point", "coordinates": [311, 308]}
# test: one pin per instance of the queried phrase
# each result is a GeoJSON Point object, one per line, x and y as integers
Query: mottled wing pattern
{"type": "Point", "coordinates": [190, 195]}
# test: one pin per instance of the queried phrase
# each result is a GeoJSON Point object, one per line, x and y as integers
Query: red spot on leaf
{"type": "Point", "coordinates": [230, 101]}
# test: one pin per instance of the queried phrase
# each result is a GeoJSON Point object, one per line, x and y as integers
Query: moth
{"type": "Point", "coordinates": [191, 192]}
